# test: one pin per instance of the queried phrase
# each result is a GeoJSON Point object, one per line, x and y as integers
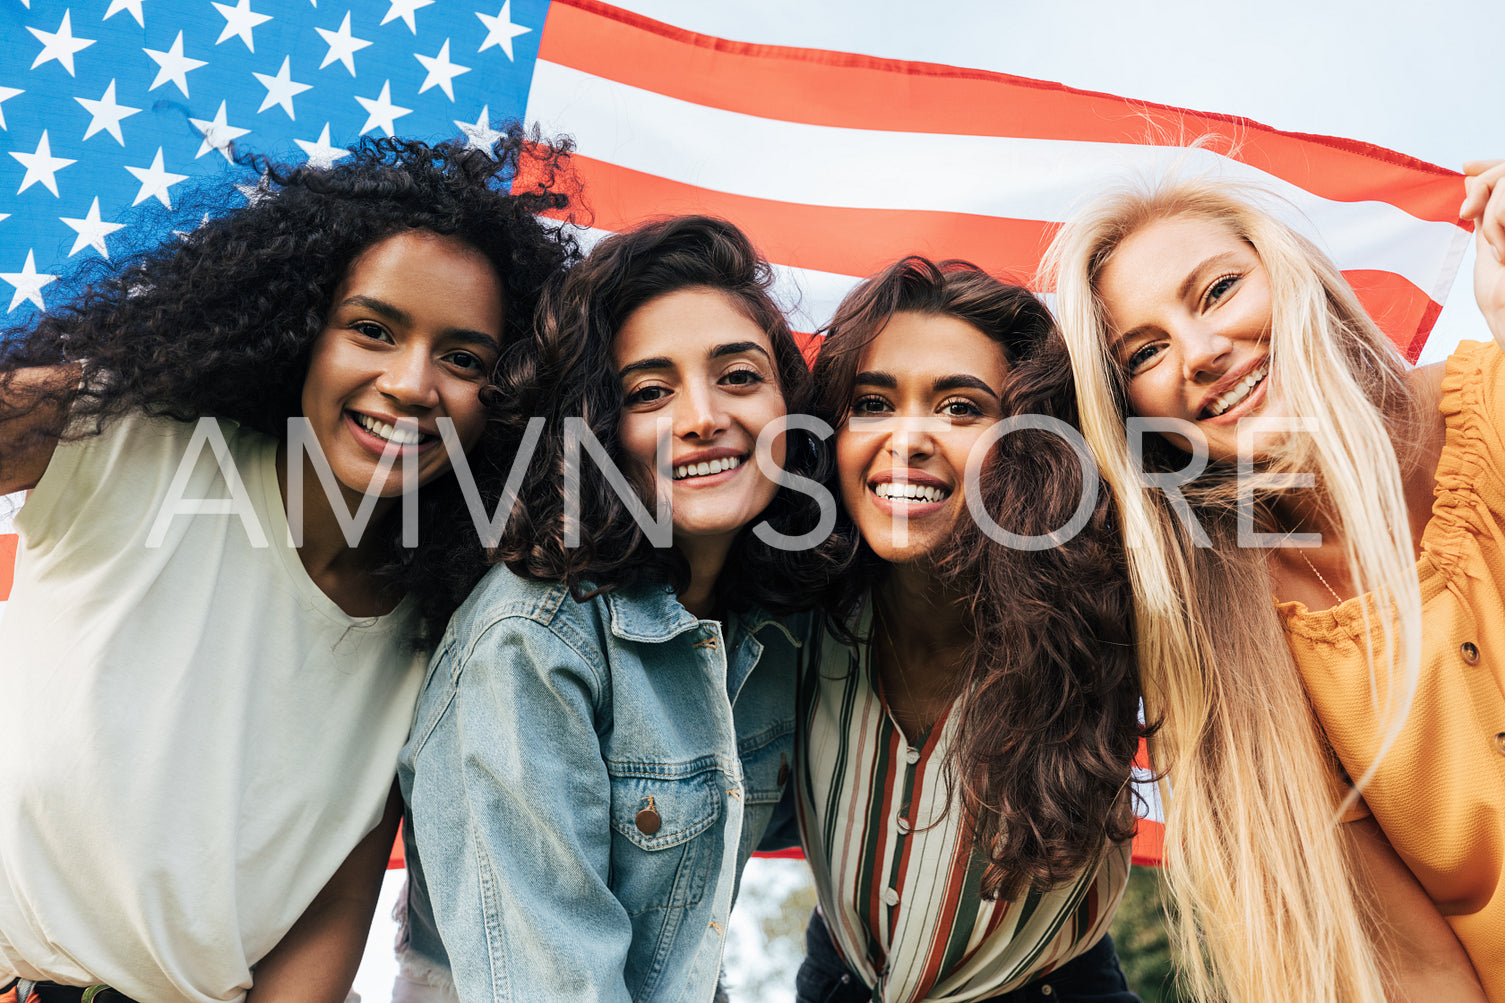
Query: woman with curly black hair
{"type": "Point", "coordinates": [608, 726]}
{"type": "Point", "coordinates": [967, 729]}
{"type": "Point", "coordinates": [249, 454]}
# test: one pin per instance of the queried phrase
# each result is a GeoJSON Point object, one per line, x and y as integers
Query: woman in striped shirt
{"type": "Point", "coordinates": [965, 738]}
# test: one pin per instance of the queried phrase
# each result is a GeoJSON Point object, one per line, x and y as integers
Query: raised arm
{"type": "Point", "coordinates": [1422, 958]}
{"type": "Point", "coordinates": [511, 812]}
{"type": "Point", "coordinates": [31, 417]}
{"type": "Point", "coordinates": [1484, 204]}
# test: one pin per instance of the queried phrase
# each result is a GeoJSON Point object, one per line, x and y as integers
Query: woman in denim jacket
{"type": "Point", "coordinates": [607, 727]}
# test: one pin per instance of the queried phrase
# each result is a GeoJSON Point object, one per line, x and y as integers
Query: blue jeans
{"type": "Point", "coordinates": [1091, 977]}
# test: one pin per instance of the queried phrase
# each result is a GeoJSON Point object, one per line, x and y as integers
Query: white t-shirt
{"type": "Point", "coordinates": [193, 736]}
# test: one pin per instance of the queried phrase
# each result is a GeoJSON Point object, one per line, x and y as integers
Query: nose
{"type": "Point", "coordinates": [698, 414]}
{"type": "Point", "coordinates": [911, 439]}
{"type": "Point", "coordinates": [1205, 353]}
{"type": "Point", "coordinates": [407, 378]}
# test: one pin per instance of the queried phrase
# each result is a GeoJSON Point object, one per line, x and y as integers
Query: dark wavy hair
{"type": "Point", "coordinates": [565, 370]}
{"type": "Point", "coordinates": [1049, 696]}
{"type": "Point", "coordinates": [221, 322]}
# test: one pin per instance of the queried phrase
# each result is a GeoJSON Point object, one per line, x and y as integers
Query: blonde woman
{"type": "Point", "coordinates": [1336, 758]}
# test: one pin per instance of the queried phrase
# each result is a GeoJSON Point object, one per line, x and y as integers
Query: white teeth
{"type": "Point", "coordinates": [707, 468]}
{"type": "Point", "coordinates": [1239, 392]}
{"type": "Point", "coordinates": [901, 491]}
{"type": "Point", "coordinates": [396, 436]}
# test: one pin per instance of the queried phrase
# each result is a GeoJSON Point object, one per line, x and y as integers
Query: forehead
{"type": "Point", "coordinates": [921, 347]}
{"type": "Point", "coordinates": [1151, 265]}
{"type": "Point", "coordinates": [685, 325]}
{"type": "Point", "coordinates": [442, 272]}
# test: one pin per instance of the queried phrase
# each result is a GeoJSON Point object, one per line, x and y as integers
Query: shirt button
{"type": "Point", "coordinates": [903, 825]}
{"type": "Point", "coordinates": [1500, 742]}
{"type": "Point", "coordinates": [1046, 990]}
{"type": "Point", "coordinates": [911, 756]}
{"type": "Point", "coordinates": [890, 897]}
{"type": "Point", "coordinates": [1470, 652]}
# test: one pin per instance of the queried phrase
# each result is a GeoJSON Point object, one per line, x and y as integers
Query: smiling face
{"type": "Point", "coordinates": [692, 360]}
{"type": "Point", "coordinates": [412, 333]}
{"type": "Point", "coordinates": [936, 379]}
{"type": "Point", "coordinates": [1188, 305]}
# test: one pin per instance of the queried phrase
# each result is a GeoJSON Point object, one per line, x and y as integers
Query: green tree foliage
{"type": "Point", "coordinates": [1143, 943]}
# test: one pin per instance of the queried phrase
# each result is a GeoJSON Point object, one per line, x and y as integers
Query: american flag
{"type": "Point", "coordinates": [836, 163]}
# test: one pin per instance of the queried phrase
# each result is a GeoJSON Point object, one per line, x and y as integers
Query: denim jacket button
{"type": "Point", "coordinates": [648, 821]}
{"type": "Point", "coordinates": [783, 771]}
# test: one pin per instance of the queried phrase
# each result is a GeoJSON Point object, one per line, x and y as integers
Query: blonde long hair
{"type": "Point", "coordinates": [1259, 869]}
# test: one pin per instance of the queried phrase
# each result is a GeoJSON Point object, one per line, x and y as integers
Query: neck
{"type": "Point", "coordinates": [921, 641]}
{"type": "Point", "coordinates": [325, 553]}
{"type": "Point", "coordinates": [706, 559]}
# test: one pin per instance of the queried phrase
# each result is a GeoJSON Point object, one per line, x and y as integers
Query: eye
{"type": "Point", "coordinates": [372, 330]}
{"type": "Point", "coordinates": [745, 376]}
{"type": "Point", "coordinates": [468, 362]}
{"type": "Point", "coordinates": [1142, 356]}
{"type": "Point", "coordinates": [870, 405]}
{"type": "Point", "coordinates": [1221, 286]}
{"type": "Point", "coordinates": [960, 407]}
{"type": "Point", "coordinates": [652, 393]}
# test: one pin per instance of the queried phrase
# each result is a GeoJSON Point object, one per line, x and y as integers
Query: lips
{"type": "Point", "coordinates": [706, 468]}
{"type": "Point", "coordinates": [1235, 388]}
{"type": "Point", "coordinates": [384, 433]}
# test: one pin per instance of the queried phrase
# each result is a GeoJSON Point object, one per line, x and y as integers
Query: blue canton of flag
{"type": "Point", "coordinates": [110, 109]}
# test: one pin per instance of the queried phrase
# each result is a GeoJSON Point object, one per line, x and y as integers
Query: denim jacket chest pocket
{"type": "Point", "coordinates": [657, 813]}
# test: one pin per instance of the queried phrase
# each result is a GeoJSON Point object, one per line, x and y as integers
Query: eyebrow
{"type": "Point", "coordinates": [663, 362]}
{"type": "Point", "coordinates": [400, 316]}
{"type": "Point", "coordinates": [956, 381]}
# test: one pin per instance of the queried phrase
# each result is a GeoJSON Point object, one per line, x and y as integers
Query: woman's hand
{"type": "Point", "coordinates": [1484, 204]}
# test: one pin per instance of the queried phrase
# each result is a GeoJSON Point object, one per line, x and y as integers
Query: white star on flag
{"type": "Point", "coordinates": [60, 44]}
{"type": "Point", "coordinates": [342, 45]}
{"type": "Point", "coordinates": [320, 152]}
{"type": "Point", "coordinates": [155, 181]}
{"type": "Point", "coordinates": [173, 65]}
{"type": "Point", "coordinates": [281, 89]}
{"type": "Point", "coordinates": [239, 20]}
{"type": "Point", "coordinates": [500, 30]}
{"type": "Point", "coordinates": [440, 70]}
{"type": "Point", "coordinates": [41, 166]}
{"type": "Point", "coordinates": [480, 135]}
{"type": "Point", "coordinates": [218, 134]}
{"type": "Point", "coordinates": [106, 114]}
{"type": "Point", "coordinates": [381, 111]}
{"type": "Point", "coordinates": [262, 189]}
{"type": "Point", "coordinates": [92, 231]}
{"type": "Point", "coordinates": [404, 9]}
{"type": "Point", "coordinates": [28, 284]}
{"type": "Point", "coordinates": [133, 6]}
{"type": "Point", "coordinates": [6, 93]}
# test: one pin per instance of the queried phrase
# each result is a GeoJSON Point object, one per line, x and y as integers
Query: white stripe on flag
{"type": "Point", "coordinates": [1005, 177]}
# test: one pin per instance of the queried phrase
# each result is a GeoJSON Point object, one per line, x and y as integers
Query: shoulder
{"type": "Point", "coordinates": [506, 607]}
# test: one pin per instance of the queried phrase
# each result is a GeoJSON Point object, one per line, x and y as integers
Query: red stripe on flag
{"type": "Point", "coordinates": [847, 90]}
{"type": "Point", "coordinates": [8, 545]}
{"type": "Point", "coordinates": [858, 242]}
{"type": "Point", "coordinates": [1149, 843]}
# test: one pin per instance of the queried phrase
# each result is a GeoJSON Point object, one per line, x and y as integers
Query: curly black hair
{"type": "Point", "coordinates": [566, 371]}
{"type": "Point", "coordinates": [220, 321]}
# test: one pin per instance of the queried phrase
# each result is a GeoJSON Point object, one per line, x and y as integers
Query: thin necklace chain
{"type": "Point", "coordinates": [1319, 576]}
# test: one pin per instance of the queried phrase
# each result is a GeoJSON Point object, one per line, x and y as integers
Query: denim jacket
{"type": "Point", "coordinates": [585, 782]}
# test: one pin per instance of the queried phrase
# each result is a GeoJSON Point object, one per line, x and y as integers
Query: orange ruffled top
{"type": "Point", "coordinates": [1439, 793]}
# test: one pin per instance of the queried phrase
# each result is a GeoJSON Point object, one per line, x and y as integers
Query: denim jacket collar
{"type": "Point", "coordinates": [652, 613]}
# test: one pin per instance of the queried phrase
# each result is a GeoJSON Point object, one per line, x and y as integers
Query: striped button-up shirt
{"type": "Point", "coordinates": [892, 854]}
